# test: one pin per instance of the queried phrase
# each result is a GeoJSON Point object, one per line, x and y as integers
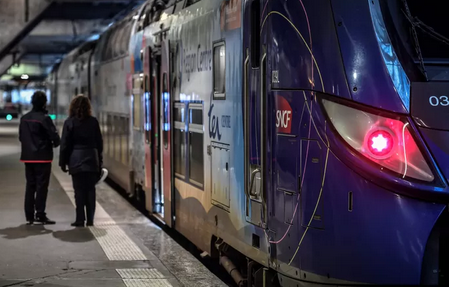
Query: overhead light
{"type": "Point", "coordinates": [24, 77]}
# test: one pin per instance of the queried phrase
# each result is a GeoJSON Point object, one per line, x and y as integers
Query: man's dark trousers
{"type": "Point", "coordinates": [38, 179]}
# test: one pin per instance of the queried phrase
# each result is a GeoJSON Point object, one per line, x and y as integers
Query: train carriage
{"type": "Point", "coordinates": [303, 141]}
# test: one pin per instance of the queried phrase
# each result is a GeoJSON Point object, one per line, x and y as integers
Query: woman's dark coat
{"type": "Point", "coordinates": [81, 145]}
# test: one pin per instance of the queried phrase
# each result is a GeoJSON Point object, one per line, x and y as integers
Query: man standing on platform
{"type": "Point", "coordinates": [38, 136]}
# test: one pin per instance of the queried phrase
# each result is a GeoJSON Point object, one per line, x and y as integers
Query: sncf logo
{"type": "Point", "coordinates": [283, 115]}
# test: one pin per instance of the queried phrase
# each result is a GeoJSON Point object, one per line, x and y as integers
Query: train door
{"type": "Point", "coordinates": [296, 156]}
{"type": "Point", "coordinates": [148, 146]}
{"type": "Point", "coordinates": [166, 103]}
{"type": "Point", "coordinates": [155, 130]}
{"type": "Point", "coordinates": [273, 145]}
{"type": "Point", "coordinates": [256, 150]}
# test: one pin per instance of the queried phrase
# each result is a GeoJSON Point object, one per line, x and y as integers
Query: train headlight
{"type": "Point", "coordinates": [385, 141]}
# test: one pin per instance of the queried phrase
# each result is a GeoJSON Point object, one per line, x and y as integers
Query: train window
{"type": "Point", "coordinates": [113, 137]}
{"type": "Point", "coordinates": [117, 41]}
{"type": "Point", "coordinates": [124, 131]}
{"type": "Point", "coordinates": [110, 44]}
{"type": "Point", "coordinates": [103, 45]}
{"type": "Point", "coordinates": [179, 6]}
{"type": "Point", "coordinates": [110, 136]}
{"type": "Point", "coordinates": [219, 70]}
{"type": "Point", "coordinates": [191, 2]}
{"type": "Point", "coordinates": [179, 140]}
{"type": "Point", "coordinates": [147, 108]}
{"type": "Point", "coordinates": [136, 111]}
{"type": "Point", "coordinates": [166, 107]}
{"type": "Point", "coordinates": [76, 92]}
{"type": "Point", "coordinates": [195, 116]}
{"type": "Point", "coordinates": [170, 3]}
{"type": "Point", "coordinates": [124, 140]}
{"type": "Point", "coordinates": [196, 145]}
{"type": "Point", "coordinates": [117, 138]}
{"type": "Point", "coordinates": [147, 20]}
{"type": "Point", "coordinates": [126, 38]}
{"type": "Point", "coordinates": [105, 132]}
{"type": "Point", "coordinates": [142, 18]}
{"type": "Point", "coordinates": [179, 112]}
{"type": "Point", "coordinates": [137, 90]}
{"type": "Point", "coordinates": [255, 33]}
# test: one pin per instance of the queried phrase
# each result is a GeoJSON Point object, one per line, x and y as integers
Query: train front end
{"type": "Point", "coordinates": [365, 87]}
{"type": "Point", "coordinates": [393, 134]}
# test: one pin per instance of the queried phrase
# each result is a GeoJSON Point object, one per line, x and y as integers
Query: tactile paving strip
{"type": "Point", "coordinates": [140, 273]}
{"type": "Point", "coordinates": [147, 283]}
{"type": "Point", "coordinates": [116, 244]}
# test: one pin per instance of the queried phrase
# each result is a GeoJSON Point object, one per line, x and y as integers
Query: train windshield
{"type": "Point", "coordinates": [418, 30]}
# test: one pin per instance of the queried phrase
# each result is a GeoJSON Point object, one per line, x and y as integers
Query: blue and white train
{"type": "Point", "coordinates": [304, 141]}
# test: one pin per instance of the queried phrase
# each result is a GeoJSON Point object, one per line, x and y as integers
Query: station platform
{"type": "Point", "coordinates": [124, 248]}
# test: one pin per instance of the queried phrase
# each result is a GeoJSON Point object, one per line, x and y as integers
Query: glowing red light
{"type": "Point", "coordinates": [380, 143]}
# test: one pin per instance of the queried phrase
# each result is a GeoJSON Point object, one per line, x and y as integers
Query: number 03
{"type": "Point", "coordinates": [435, 101]}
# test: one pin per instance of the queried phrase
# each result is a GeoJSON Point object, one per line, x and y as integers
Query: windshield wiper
{"type": "Point", "coordinates": [415, 37]}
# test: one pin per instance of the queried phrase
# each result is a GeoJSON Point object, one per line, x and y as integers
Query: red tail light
{"type": "Point", "coordinates": [380, 143]}
{"type": "Point", "coordinates": [385, 141]}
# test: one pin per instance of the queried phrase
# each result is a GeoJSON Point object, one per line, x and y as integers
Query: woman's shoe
{"type": "Point", "coordinates": [78, 224]}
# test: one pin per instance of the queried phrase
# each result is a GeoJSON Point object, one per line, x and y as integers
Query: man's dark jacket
{"type": "Point", "coordinates": [38, 137]}
{"type": "Point", "coordinates": [81, 145]}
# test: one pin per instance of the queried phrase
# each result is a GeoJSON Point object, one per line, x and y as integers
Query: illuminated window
{"type": "Point", "coordinates": [219, 70]}
{"type": "Point", "coordinates": [179, 140]}
{"type": "Point", "coordinates": [136, 104]}
{"type": "Point", "coordinates": [166, 107]}
{"type": "Point", "coordinates": [196, 144]}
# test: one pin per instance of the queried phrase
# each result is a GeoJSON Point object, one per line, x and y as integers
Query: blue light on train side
{"type": "Point", "coordinates": [52, 116]}
{"type": "Point", "coordinates": [9, 117]}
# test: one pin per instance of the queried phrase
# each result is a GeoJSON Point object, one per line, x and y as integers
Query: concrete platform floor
{"type": "Point", "coordinates": [123, 249]}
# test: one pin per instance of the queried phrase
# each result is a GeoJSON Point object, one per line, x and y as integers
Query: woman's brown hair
{"type": "Point", "coordinates": [80, 107]}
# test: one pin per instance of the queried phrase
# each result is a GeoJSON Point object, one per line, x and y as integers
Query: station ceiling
{"type": "Point", "coordinates": [36, 34]}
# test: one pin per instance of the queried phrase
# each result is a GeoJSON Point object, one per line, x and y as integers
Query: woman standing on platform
{"type": "Point", "coordinates": [81, 151]}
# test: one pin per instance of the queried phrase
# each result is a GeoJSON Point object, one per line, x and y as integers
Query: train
{"type": "Point", "coordinates": [300, 142]}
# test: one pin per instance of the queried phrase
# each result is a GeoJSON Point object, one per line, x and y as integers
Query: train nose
{"type": "Point", "coordinates": [438, 143]}
{"type": "Point", "coordinates": [430, 111]}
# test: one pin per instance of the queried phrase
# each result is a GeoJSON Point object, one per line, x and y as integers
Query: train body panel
{"type": "Point", "coordinates": [231, 121]}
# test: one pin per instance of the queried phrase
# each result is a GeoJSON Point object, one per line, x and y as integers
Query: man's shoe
{"type": "Point", "coordinates": [89, 223]}
{"type": "Point", "coordinates": [78, 224]}
{"type": "Point", "coordinates": [45, 220]}
{"type": "Point", "coordinates": [30, 222]}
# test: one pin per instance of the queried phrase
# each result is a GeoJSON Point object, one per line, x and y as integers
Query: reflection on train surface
{"type": "Point", "coordinates": [303, 141]}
